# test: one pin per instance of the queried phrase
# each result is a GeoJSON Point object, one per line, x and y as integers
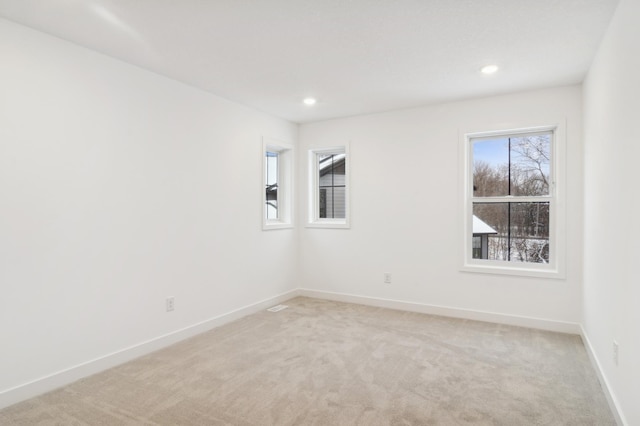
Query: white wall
{"type": "Point", "coordinates": [405, 204]}
{"type": "Point", "coordinates": [118, 188]}
{"type": "Point", "coordinates": [612, 150]}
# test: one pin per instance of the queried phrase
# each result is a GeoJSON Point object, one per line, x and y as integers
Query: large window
{"type": "Point", "coordinates": [511, 214]}
{"type": "Point", "coordinates": [329, 187]}
{"type": "Point", "coordinates": [277, 189]}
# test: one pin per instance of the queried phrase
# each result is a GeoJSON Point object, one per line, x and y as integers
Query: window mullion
{"type": "Point", "coordinates": [513, 199]}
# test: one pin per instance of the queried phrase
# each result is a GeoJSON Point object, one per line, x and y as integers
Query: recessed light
{"type": "Point", "coordinates": [309, 101]}
{"type": "Point", "coordinates": [489, 69]}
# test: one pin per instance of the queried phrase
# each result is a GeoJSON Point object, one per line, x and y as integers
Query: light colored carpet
{"type": "Point", "coordinates": [330, 363]}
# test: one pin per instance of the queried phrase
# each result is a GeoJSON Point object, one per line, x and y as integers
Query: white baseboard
{"type": "Point", "coordinates": [611, 398]}
{"type": "Point", "coordinates": [61, 378]}
{"type": "Point", "coordinates": [520, 321]}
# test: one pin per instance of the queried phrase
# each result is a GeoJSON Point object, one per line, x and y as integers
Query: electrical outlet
{"type": "Point", "coordinates": [171, 303]}
{"type": "Point", "coordinates": [387, 278]}
{"type": "Point", "coordinates": [616, 349]}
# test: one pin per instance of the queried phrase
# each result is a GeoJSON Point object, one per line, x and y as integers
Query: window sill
{"type": "Point", "coordinates": [271, 226]}
{"type": "Point", "coordinates": [329, 223]}
{"type": "Point", "coordinates": [521, 271]}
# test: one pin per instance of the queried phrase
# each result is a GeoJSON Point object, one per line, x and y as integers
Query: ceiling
{"type": "Point", "coordinates": [354, 56]}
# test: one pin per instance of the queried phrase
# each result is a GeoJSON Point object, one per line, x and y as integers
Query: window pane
{"type": "Point", "coordinates": [529, 232]}
{"type": "Point", "coordinates": [331, 186]}
{"type": "Point", "coordinates": [271, 179]}
{"type": "Point", "coordinates": [332, 202]}
{"type": "Point", "coordinates": [491, 167]}
{"type": "Point", "coordinates": [517, 166]}
{"type": "Point", "coordinates": [515, 232]}
{"type": "Point", "coordinates": [491, 222]}
{"type": "Point", "coordinates": [530, 165]}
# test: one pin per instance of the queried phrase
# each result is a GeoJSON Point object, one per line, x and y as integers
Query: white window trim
{"type": "Point", "coordinates": [285, 184]}
{"type": "Point", "coordinates": [313, 194]}
{"type": "Point", "coordinates": [557, 234]}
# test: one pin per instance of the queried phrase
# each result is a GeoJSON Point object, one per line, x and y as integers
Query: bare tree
{"type": "Point", "coordinates": [530, 162]}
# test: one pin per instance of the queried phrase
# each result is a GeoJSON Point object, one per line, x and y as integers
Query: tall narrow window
{"type": "Point", "coordinates": [271, 185]}
{"type": "Point", "coordinates": [332, 186]}
{"type": "Point", "coordinates": [277, 185]}
{"type": "Point", "coordinates": [328, 191]}
{"type": "Point", "coordinates": [511, 211]}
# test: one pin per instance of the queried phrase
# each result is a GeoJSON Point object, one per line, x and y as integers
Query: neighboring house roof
{"type": "Point", "coordinates": [325, 164]}
{"type": "Point", "coordinates": [480, 227]}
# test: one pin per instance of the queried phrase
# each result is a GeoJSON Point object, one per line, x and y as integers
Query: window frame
{"type": "Point", "coordinates": [556, 266]}
{"type": "Point", "coordinates": [285, 204]}
{"type": "Point", "coordinates": [313, 219]}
